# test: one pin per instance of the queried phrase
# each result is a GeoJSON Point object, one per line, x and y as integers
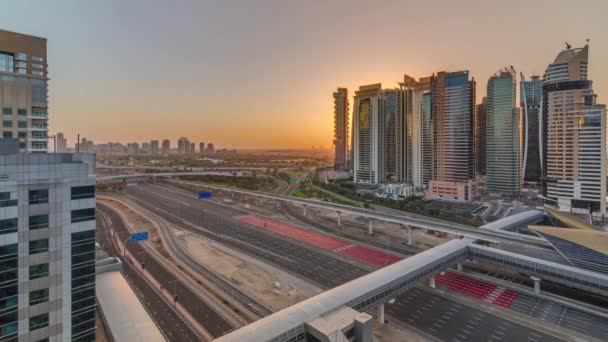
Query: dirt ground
{"type": "Point", "coordinates": [250, 275]}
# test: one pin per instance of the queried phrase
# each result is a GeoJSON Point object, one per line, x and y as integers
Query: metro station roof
{"type": "Point", "coordinates": [124, 315]}
{"type": "Point", "coordinates": [586, 249]}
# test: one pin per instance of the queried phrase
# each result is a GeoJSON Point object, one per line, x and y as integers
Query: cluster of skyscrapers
{"type": "Point", "coordinates": [47, 210]}
{"type": "Point", "coordinates": [432, 135]}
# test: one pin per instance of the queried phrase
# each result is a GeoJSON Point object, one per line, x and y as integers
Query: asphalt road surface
{"type": "Point", "coordinates": [212, 321]}
{"type": "Point", "coordinates": [326, 271]}
{"type": "Point", "coordinates": [165, 318]}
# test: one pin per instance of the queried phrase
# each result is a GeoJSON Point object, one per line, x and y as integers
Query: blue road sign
{"type": "Point", "coordinates": [206, 194]}
{"type": "Point", "coordinates": [139, 236]}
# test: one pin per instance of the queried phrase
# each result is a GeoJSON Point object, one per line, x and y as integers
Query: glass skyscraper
{"type": "Point", "coordinates": [531, 92]}
{"type": "Point", "coordinates": [503, 135]}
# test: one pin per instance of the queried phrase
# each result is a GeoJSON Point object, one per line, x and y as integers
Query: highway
{"type": "Point", "coordinates": [164, 316]}
{"type": "Point", "coordinates": [212, 321]}
{"type": "Point", "coordinates": [405, 218]}
{"type": "Point", "coordinates": [418, 308]}
{"type": "Point", "coordinates": [176, 249]}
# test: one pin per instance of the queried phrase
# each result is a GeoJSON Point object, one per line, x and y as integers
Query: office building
{"type": "Point", "coordinates": [47, 249]}
{"type": "Point", "coordinates": [183, 145]}
{"type": "Point", "coordinates": [146, 148]}
{"type": "Point", "coordinates": [61, 143]}
{"type": "Point", "coordinates": [192, 148]}
{"type": "Point", "coordinates": [133, 149]}
{"type": "Point", "coordinates": [23, 90]}
{"type": "Point", "coordinates": [210, 148]}
{"type": "Point", "coordinates": [367, 130]}
{"type": "Point", "coordinates": [387, 134]}
{"type": "Point", "coordinates": [530, 103]}
{"type": "Point", "coordinates": [341, 129]}
{"type": "Point", "coordinates": [201, 148]}
{"type": "Point", "coordinates": [573, 147]}
{"type": "Point", "coordinates": [503, 135]}
{"type": "Point", "coordinates": [414, 135]}
{"type": "Point", "coordinates": [154, 147]}
{"type": "Point", "coordinates": [480, 138]}
{"type": "Point", "coordinates": [452, 112]}
{"type": "Point", "coordinates": [166, 147]}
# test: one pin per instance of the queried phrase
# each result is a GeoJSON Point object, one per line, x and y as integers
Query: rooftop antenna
{"type": "Point", "coordinates": [568, 46]}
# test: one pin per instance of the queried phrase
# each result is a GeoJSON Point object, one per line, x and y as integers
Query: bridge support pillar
{"type": "Point", "coordinates": [381, 313]}
{"type": "Point", "coordinates": [432, 282]}
{"type": "Point", "coordinates": [305, 211]}
{"type": "Point", "coordinates": [459, 267]}
{"type": "Point", "coordinates": [536, 281]}
{"type": "Point", "coordinates": [370, 227]}
{"type": "Point", "coordinates": [339, 217]}
{"type": "Point", "coordinates": [277, 203]}
{"type": "Point", "coordinates": [410, 235]}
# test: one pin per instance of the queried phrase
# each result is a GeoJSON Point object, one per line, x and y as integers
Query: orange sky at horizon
{"type": "Point", "coordinates": [245, 74]}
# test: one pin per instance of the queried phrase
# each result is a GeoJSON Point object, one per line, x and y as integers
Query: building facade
{"type": "Point", "coordinates": [341, 111]}
{"type": "Point", "coordinates": [367, 131]}
{"type": "Point", "coordinates": [531, 92]}
{"type": "Point", "coordinates": [452, 113]}
{"type": "Point", "coordinates": [166, 147]}
{"type": "Point", "coordinates": [61, 143]}
{"type": "Point", "coordinates": [503, 135]}
{"type": "Point", "coordinates": [154, 147]}
{"type": "Point", "coordinates": [47, 245]}
{"type": "Point", "coordinates": [201, 147]}
{"type": "Point", "coordinates": [574, 136]}
{"type": "Point", "coordinates": [480, 138]}
{"type": "Point", "coordinates": [23, 90]}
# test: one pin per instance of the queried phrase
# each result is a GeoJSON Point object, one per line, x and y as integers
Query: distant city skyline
{"type": "Point", "coordinates": [227, 88]}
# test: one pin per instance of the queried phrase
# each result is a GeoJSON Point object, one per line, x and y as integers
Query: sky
{"type": "Point", "coordinates": [260, 73]}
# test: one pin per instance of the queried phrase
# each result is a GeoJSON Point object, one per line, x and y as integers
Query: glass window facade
{"type": "Point", "coordinates": [22, 124]}
{"type": "Point", "coordinates": [6, 201]}
{"type": "Point", "coordinates": [8, 226]}
{"type": "Point", "coordinates": [39, 196]}
{"type": "Point", "coordinates": [7, 111]}
{"type": "Point", "coordinates": [22, 111]}
{"type": "Point", "coordinates": [83, 286]}
{"type": "Point", "coordinates": [8, 293]}
{"type": "Point", "coordinates": [39, 246]}
{"type": "Point", "coordinates": [7, 123]}
{"type": "Point", "coordinates": [39, 296]}
{"type": "Point", "coordinates": [39, 271]}
{"type": "Point", "coordinates": [82, 215]}
{"type": "Point", "coordinates": [39, 221]}
{"type": "Point", "coordinates": [80, 192]}
{"type": "Point", "coordinates": [6, 62]}
{"type": "Point", "coordinates": [39, 322]}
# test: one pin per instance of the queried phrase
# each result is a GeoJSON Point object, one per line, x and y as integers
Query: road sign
{"type": "Point", "coordinates": [139, 236]}
{"type": "Point", "coordinates": [293, 180]}
{"type": "Point", "coordinates": [203, 195]}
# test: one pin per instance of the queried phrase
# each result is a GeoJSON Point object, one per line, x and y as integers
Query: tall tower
{"type": "Point", "coordinates": [531, 92]}
{"type": "Point", "coordinates": [367, 133]}
{"type": "Point", "coordinates": [453, 102]}
{"type": "Point", "coordinates": [341, 129]}
{"type": "Point", "coordinates": [23, 90]}
{"type": "Point", "coordinates": [480, 138]}
{"type": "Point", "coordinates": [574, 136]}
{"type": "Point", "coordinates": [503, 135]}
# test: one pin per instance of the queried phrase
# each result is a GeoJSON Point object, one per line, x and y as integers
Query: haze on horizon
{"type": "Point", "coordinates": [260, 74]}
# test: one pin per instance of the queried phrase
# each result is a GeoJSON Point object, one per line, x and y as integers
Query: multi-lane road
{"type": "Point", "coordinates": [205, 314]}
{"type": "Point", "coordinates": [428, 312]}
{"type": "Point", "coordinates": [170, 324]}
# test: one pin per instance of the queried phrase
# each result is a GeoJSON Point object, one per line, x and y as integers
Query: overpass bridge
{"type": "Point", "coordinates": [375, 289]}
{"type": "Point", "coordinates": [408, 220]}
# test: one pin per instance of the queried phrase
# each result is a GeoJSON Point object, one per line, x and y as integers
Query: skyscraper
{"type": "Point", "coordinates": [574, 136]}
{"type": "Point", "coordinates": [166, 147]}
{"type": "Point", "coordinates": [192, 148]}
{"type": "Point", "coordinates": [453, 107]}
{"type": "Point", "coordinates": [530, 102]}
{"type": "Point", "coordinates": [62, 143]}
{"type": "Point", "coordinates": [480, 138]}
{"type": "Point", "coordinates": [201, 148]}
{"type": "Point", "coordinates": [154, 147]}
{"type": "Point", "coordinates": [388, 146]}
{"type": "Point", "coordinates": [503, 135]}
{"type": "Point", "coordinates": [341, 129]}
{"type": "Point", "coordinates": [367, 126]}
{"type": "Point", "coordinates": [210, 148]}
{"type": "Point", "coordinates": [23, 90]}
{"type": "Point", "coordinates": [414, 132]}
{"type": "Point", "coordinates": [183, 145]}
